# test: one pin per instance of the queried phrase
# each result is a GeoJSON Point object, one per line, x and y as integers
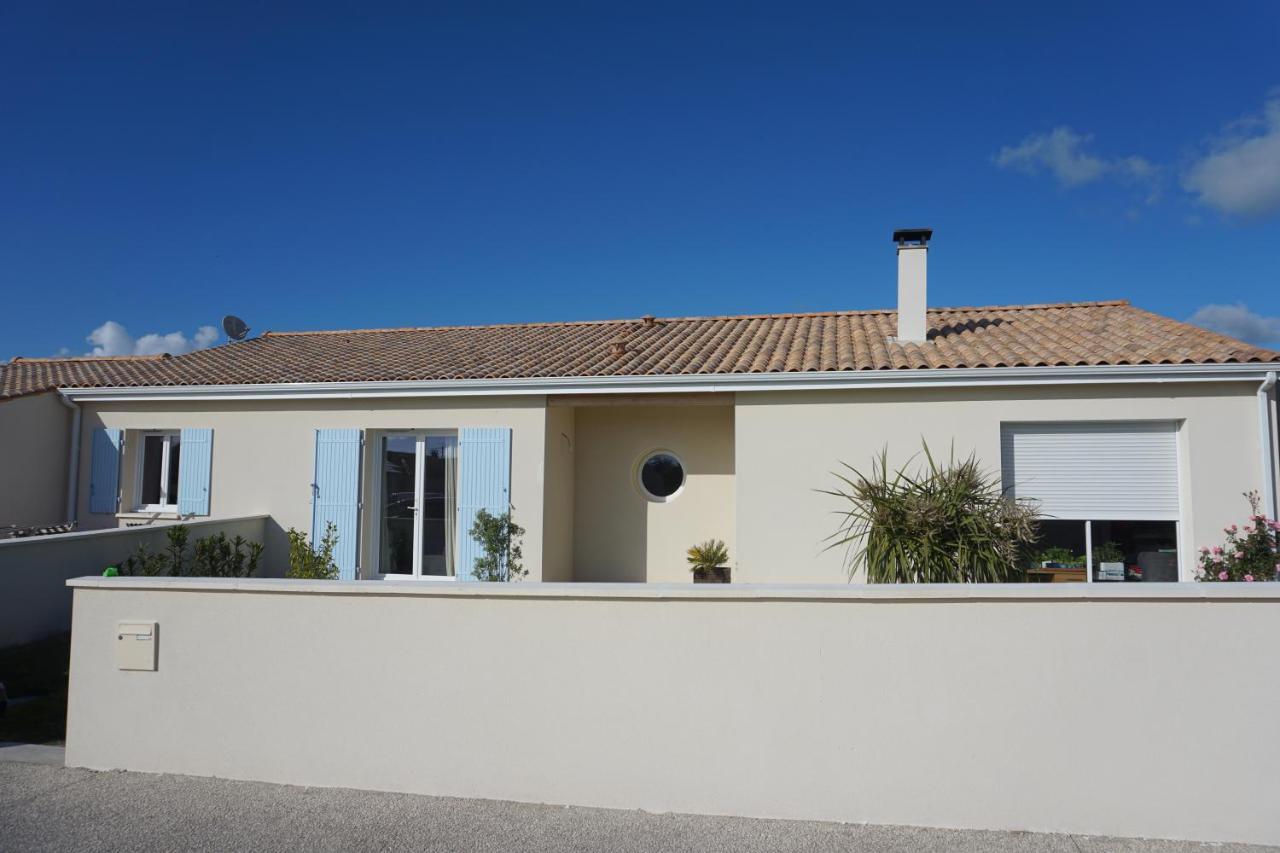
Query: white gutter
{"type": "Point", "coordinates": [1266, 441]}
{"type": "Point", "coordinates": [964, 377]}
{"type": "Point", "coordinates": [73, 460]}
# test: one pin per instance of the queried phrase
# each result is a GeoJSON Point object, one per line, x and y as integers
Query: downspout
{"type": "Point", "coordinates": [73, 461]}
{"type": "Point", "coordinates": [1268, 447]}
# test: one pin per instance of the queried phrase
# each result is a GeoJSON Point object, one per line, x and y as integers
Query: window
{"type": "Point", "coordinates": [419, 505]}
{"type": "Point", "coordinates": [661, 476]}
{"type": "Point", "coordinates": [159, 460]}
{"type": "Point", "coordinates": [1106, 551]}
{"type": "Point", "coordinates": [1109, 494]}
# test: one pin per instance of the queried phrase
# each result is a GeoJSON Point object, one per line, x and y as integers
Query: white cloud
{"type": "Point", "coordinates": [1238, 321]}
{"type": "Point", "coordinates": [1241, 175]}
{"type": "Point", "coordinates": [1061, 153]}
{"type": "Point", "coordinates": [111, 338]}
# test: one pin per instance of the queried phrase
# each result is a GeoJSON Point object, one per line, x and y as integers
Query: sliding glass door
{"type": "Point", "coordinates": [418, 496]}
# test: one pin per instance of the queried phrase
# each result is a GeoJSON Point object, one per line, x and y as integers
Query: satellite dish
{"type": "Point", "coordinates": [234, 327]}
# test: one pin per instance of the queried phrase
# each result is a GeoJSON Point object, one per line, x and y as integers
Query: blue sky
{"type": "Point", "coordinates": [331, 167]}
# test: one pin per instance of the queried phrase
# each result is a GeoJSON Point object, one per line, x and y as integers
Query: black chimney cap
{"type": "Point", "coordinates": [912, 235]}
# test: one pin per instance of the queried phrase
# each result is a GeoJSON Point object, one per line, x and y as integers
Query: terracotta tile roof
{"type": "Point", "coordinates": [33, 375]}
{"type": "Point", "coordinates": [1084, 333]}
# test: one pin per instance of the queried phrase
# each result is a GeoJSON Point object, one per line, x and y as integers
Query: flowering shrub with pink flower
{"type": "Point", "coordinates": [1251, 552]}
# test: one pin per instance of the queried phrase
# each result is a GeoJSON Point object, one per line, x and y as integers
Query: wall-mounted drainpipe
{"type": "Point", "coordinates": [73, 461]}
{"type": "Point", "coordinates": [1267, 441]}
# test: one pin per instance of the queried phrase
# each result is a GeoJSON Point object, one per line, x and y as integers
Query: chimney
{"type": "Point", "coordinates": [913, 255]}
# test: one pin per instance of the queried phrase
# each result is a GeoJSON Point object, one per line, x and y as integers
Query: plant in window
{"type": "Point", "coordinates": [499, 536]}
{"type": "Point", "coordinates": [709, 562]}
{"type": "Point", "coordinates": [313, 563]}
{"type": "Point", "coordinates": [1251, 553]}
{"type": "Point", "coordinates": [939, 523]}
{"type": "Point", "coordinates": [1108, 552]}
{"type": "Point", "coordinates": [1059, 557]}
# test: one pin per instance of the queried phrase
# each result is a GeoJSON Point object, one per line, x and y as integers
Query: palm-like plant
{"type": "Point", "coordinates": [939, 524]}
{"type": "Point", "coordinates": [708, 555]}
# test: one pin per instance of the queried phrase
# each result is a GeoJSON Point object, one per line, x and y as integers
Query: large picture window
{"type": "Point", "coordinates": [1109, 491]}
{"type": "Point", "coordinates": [1106, 551]}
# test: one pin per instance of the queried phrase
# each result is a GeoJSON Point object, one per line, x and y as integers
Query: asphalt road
{"type": "Point", "coordinates": [53, 808]}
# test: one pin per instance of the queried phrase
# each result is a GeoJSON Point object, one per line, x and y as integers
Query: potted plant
{"type": "Point", "coordinates": [1108, 559]}
{"type": "Point", "coordinates": [709, 562]}
{"type": "Point", "coordinates": [1058, 557]}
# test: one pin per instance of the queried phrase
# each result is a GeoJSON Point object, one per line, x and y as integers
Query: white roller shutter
{"type": "Point", "coordinates": [1122, 470]}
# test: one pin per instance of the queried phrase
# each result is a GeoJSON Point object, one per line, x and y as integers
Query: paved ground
{"type": "Point", "coordinates": [53, 808]}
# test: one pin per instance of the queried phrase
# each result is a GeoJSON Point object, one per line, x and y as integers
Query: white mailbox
{"type": "Point", "coordinates": [136, 645]}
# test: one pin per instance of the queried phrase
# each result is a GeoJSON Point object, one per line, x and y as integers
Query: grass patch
{"type": "Point", "coordinates": [35, 676]}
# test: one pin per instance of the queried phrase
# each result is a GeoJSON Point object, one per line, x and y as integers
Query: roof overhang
{"type": "Point", "coordinates": [695, 383]}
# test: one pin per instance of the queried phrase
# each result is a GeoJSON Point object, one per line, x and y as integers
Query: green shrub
{"type": "Point", "coordinates": [940, 524]}
{"type": "Point", "coordinates": [177, 536]}
{"type": "Point", "coordinates": [143, 563]}
{"type": "Point", "coordinates": [212, 557]}
{"type": "Point", "coordinates": [499, 536]}
{"type": "Point", "coordinates": [219, 557]}
{"type": "Point", "coordinates": [309, 562]}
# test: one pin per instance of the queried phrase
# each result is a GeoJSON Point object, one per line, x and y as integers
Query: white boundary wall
{"type": "Point", "coordinates": [1142, 710]}
{"type": "Point", "coordinates": [34, 599]}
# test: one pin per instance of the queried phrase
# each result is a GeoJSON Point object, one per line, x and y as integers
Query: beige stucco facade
{"type": "Point", "coordinates": [264, 456]}
{"type": "Point", "coordinates": [754, 462]}
{"type": "Point", "coordinates": [788, 445]}
{"type": "Point", "coordinates": [619, 534]}
{"type": "Point", "coordinates": [35, 432]}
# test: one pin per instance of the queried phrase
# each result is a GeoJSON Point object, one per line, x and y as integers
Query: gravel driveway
{"type": "Point", "coordinates": [54, 808]}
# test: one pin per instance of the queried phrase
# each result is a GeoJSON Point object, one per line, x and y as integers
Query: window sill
{"type": "Point", "coordinates": [149, 515]}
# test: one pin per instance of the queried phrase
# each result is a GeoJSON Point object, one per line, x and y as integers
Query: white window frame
{"type": "Point", "coordinates": [638, 475]}
{"type": "Point", "coordinates": [379, 444]}
{"type": "Point", "coordinates": [168, 503]}
{"type": "Point", "coordinates": [1180, 520]}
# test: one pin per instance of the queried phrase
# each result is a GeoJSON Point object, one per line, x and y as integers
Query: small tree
{"type": "Point", "coordinates": [499, 536]}
{"type": "Point", "coordinates": [308, 562]}
{"type": "Point", "coordinates": [947, 523]}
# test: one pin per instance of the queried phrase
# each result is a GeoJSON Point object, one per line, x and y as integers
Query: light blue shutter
{"type": "Point", "coordinates": [484, 482]}
{"type": "Point", "coordinates": [336, 492]}
{"type": "Point", "coordinates": [104, 473]}
{"type": "Point", "coordinates": [195, 468]}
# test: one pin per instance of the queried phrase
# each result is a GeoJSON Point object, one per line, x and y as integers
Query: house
{"type": "Point", "coordinates": [36, 425]}
{"type": "Point", "coordinates": [618, 444]}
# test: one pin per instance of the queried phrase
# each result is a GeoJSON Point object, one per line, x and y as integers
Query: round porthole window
{"type": "Point", "coordinates": [661, 475]}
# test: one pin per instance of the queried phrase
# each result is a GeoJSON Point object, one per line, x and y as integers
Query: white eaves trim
{"type": "Point", "coordinates": [954, 377]}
